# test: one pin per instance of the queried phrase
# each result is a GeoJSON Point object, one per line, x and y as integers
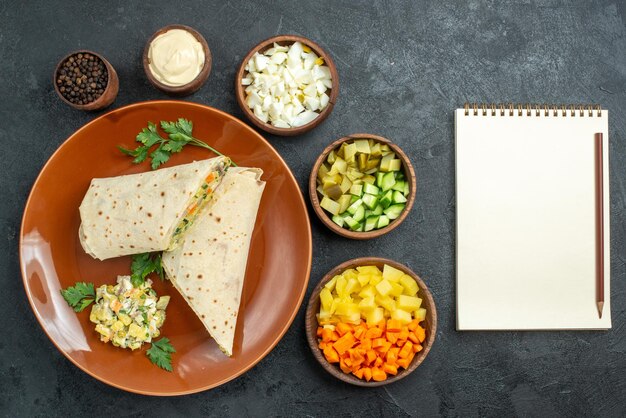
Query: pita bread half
{"type": "Point", "coordinates": [209, 266]}
{"type": "Point", "coordinates": [143, 212]}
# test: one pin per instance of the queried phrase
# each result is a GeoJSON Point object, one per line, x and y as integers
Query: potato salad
{"type": "Point", "coordinates": [128, 316]}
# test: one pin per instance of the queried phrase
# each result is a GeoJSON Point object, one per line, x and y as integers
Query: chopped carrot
{"type": "Point", "coordinates": [344, 367]}
{"type": "Point", "coordinates": [372, 351]}
{"type": "Point", "coordinates": [390, 369]}
{"type": "Point", "coordinates": [378, 375]}
{"type": "Point", "coordinates": [404, 334]}
{"type": "Point", "coordinates": [327, 334]}
{"type": "Point", "coordinates": [378, 342]}
{"type": "Point", "coordinates": [210, 177]}
{"type": "Point", "coordinates": [366, 344]}
{"type": "Point", "coordinates": [394, 325]}
{"type": "Point", "coordinates": [343, 328]}
{"type": "Point", "coordinates": [392, 337]}
{"type": "Point", "coordinates": [413, 338]}
{"type": "Point", "coordinates": [359, 333]}
{"type": "Point", "coordinates": [344, 343]}
{"type": "Point", "coordinates": [373, 333]}
{"type": "Point", "coordinates": [382, 350]}
{"type": "Point", "coordinates": [407, 349]}
{"type": "Point", "coordinates": [421, 333]}
{"type": "Point", "coordinates": [331, 354]}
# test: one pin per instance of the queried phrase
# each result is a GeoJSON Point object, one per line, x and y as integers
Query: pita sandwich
{"type": "Point", "coordinates": [146, 212]}
{"type": "Point", "coordinates": [209, 265]}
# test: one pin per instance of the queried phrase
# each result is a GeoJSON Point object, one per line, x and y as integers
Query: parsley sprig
{"type": "Point", "coordinates": [179, 134]}
{"type": "Point", "coordinates": [160, 353]}
{"type": "Point", "coordinates": [79, 296]}
{"type": "Point", "coordinates": [144, 264]}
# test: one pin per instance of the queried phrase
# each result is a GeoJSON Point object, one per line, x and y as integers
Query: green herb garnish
{"type": "Point", "coordinates": [79, 296]}
{"type": "Point", "coordinates": [144, 264]}
{"type": "Point", "coordinates": [179, 135]}
{"type": "Point", "coordinates": [160, 353]}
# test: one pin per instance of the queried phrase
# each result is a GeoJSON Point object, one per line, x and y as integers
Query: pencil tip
{"type": "Point", "coordinates": [600, 306]}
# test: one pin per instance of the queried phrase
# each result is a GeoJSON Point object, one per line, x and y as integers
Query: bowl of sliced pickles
{"type": "Point", "coordinates": [362, 186]}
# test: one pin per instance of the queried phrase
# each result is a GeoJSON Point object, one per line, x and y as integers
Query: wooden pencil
{"type": "Point", "coordinates": [599, 222]}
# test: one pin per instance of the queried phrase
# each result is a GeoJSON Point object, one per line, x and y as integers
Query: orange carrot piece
{"type": "Point", "coordinates": [393, 325]}
{"type": "Point", "coordinates": [417, 348]}
{"type": "Point", "coordinates": [327, 335]}
{"type": "Point", "coordinates": [319, 331]}
{"type": "Point", "coordinates": [413, 338]}
{"type": "Point", "coordinates": [366, 344]}
{"type": "Point", "coordinates": [373, 333]}
{"type": "Point", "coordinates": [344, 367]}
{"type": "Point", "coordinates": [359, 373]}
{"type": "Point", "coordinates": [406, 350]}
{"type": "Point", "coordinates": [391, 357]}
{"type": "Point", "coordinates": [378, 342]}
{"type": "Point", "coordinates": [378, 375]}
{"type": "Point", "coordinates": [390, 369]}
{"type": "Point", "coordinates": [384, 348]}
{"type": "Point", "coordinates": [331, 354]}
{"type": "Point", "coordinates": [322, 345]}
{"type": "Point", "coordinates": [420, 333]}
{"type": "Point", "coordinates": [378, 362]}
{"type": "Point", "coordinates": [371, 356]}
{"type": "Point", "coordinates": [344, 343]}
{"type": "Point", "coordinates": [367, 373]}
{"type": "Point", "coordinates": [359, 332]}
{"type": "Point", "coordinates": [343, 328]}
{"type": "Point", "coordinates": [392, 337]}
{"type": "Point", "coordinates": [404, 334]}
{"type": "Point", "coordinates": [403, 362]}
{"type": "Point", "coordinates": [413, 324]}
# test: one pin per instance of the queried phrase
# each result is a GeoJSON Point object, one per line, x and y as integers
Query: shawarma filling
{"type": "Point", "coordinates": [202, 196]}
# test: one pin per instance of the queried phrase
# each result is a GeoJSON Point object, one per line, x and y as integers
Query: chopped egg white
{"type": "Point", "coordinates": [287, 86]}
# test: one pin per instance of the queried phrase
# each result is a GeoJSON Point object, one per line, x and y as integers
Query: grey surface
{"type": "Point", "coordinates": [404, 67]}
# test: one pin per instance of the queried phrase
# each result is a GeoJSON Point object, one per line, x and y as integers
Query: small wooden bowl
{"type": "Point", "coordinates": [284, 40]}
{"type": "Point", "coordinates": [110, 92]}
{"type": "Point", "coordinates": [323, 216]}
{"type": "Point", "coordinates": [196, 83]}
{"type": "Point", "coordinates": [314, 307]}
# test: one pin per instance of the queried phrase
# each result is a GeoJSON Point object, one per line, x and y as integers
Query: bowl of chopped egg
{"type": "Point", "coordinates": [287, 85]}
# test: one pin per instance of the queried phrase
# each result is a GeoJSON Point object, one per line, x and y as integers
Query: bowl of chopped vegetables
{"type": "Point", "coordinates": [362, 186]}
{"type": "Point", "coordinates": [371, 321]}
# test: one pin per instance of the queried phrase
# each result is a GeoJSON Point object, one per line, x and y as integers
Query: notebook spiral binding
{"type": "Point", "coordinates": [531, 108]}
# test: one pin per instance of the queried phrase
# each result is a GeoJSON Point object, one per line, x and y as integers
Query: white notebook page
{"type": "Point", "coordinates": [526, 225]}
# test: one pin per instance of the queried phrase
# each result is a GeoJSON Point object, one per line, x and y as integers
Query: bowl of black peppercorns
{"type": "Point", "coordinates": [86, 80]}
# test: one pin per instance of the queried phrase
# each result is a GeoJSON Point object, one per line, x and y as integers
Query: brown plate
{"type": "Point", "coordinates": [52, 258]}
{"type": "Point", "coordinates": [314, 307]}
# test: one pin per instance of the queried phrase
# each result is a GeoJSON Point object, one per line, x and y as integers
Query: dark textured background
{"type": "Point", "coordinates": [404, 66]}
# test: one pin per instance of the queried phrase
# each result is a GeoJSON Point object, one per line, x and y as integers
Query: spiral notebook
{"type": "Point", "coordinates": [527, 184]}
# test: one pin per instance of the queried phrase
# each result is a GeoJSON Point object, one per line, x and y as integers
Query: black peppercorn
{"type": "Point", "coordinates": [82, 78]}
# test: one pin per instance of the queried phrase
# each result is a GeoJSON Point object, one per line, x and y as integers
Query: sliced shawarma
{"type": "Point", "coordinates": [209, 265]}
{"type": "Point", "coordinates": [146, 212]}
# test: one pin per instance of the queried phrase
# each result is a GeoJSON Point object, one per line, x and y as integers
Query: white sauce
{"type": "Point", "coordinates": [175, 57]}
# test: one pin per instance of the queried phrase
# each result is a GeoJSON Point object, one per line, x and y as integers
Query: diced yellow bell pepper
{"type": "Point", "coordinates": [383, 288]}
